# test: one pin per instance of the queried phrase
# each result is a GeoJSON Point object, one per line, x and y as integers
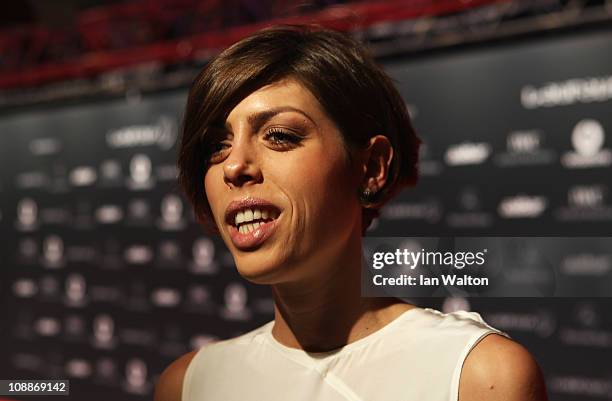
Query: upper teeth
{"type": "Point", "coordinates": [247, 215]}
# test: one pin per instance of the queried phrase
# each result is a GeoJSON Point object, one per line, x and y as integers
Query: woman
{"type": "Point", "coordinates": [293, 140]}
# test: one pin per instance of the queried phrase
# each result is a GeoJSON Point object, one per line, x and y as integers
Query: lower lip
{"type": "Point", "coordinates": [254, 238]}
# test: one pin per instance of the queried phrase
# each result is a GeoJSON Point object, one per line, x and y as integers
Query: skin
{"type": "Point", "coordinates": [312, 262]}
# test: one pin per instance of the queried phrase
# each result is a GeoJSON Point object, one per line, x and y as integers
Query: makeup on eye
{"type": "Point", "coordinates": [215, 144]}
{"type": "Point", "coordinates": [282, 137]}
{"type": "Point", "coordinates": [216, 147]}
{"type": "Point", "coordinates": [279, 137]}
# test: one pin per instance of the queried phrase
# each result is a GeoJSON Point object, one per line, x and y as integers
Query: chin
{"type": "Point", "coordinates": [257, 271]}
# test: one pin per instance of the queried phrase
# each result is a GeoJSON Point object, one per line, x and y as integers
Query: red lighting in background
{"type": "Point", "coordinates": [130, 34]}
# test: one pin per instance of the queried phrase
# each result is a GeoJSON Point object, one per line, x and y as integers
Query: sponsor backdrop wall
{"type": "Point", "coordinates": [106, 277]}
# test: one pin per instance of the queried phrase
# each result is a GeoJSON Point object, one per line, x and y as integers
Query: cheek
{"type": "Point", "coordinates": [212, 186]}
{"type": "Point", "coordinates": [321, 183]}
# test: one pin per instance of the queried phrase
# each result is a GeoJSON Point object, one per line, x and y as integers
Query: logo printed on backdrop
{"type": "Point", "coordinates": [200, 340]}
{"type": "Point", "coordinates": [587, 315]}
{"type": "Point", "coordinates": [428, 166]}
{"type": "Point", "coordinates": [136, 380]}
{"type": "Point", "coordinates": [199, 299]}
{"type": "Point", "coordinates": [27, 215]}
{"type": "Point", "coordinates": [49, 288]}
{"type": "Point", "coordinates": [586, 264]}
{"type": "Point", "coordinates": [108, 214]}
{"type": "Point", "coordinates": [27, 361]}
{"type": "Point", "coordinates": [139, 337]}
{"type": "Point", "coordinates": [531, 272]}
{"type": "Point", "coordinates": [522, 206]}
{"type": "Point", "coordinates": [470, 213]}
{"type": "Point", "coordinates": [110, 173]}
{"type": "Point", "coordinates": [140, 173]}
{"type": "Point", "coordinates": [469, 199]}
{"type": "Point", "coordinates": [586, 203]}
{"type": "Point", "coordinates": [78, 368]}
{"type": "Point", "coordinates": [588, 137]}
{"type": "Point", "coordinates": [203, 257]}
{"type": "Point", "coordinates": [467, 153]}
{"type": "Point", "coordinates": [580, 386]}
{"type": "Point", "coordinates": [31, 180]}
{"type": "Point", "coordinates": [585, 330]}
{"type": "Point", "coordinates": [106, 371]}
{"type": "Point", "coordinates": [167, 172]}
{"type": "Point", "coordinates": [44, 146]}
{"type": "Point", "coordinates": [586, 196]}
{"type": "Point", "coordinates": [139, 212]}
{"type": "Point", "coordinates": [138, 254]}
{"type": "Point", "coordinates": [524, 147]}
{"type": "Point", "coordinates": [47, 326]}
{"type": "Point", "coordinates": [163, 134]}
{"type": "Point", "coordinates": [27, 251]}
{"type": "Point", "coordinates": [541, 322]}
{"type": "Point", "coordinates": [76, 290]}
{"type": "Point", "coordinates": [166, 297]}
{"type": "Point", "coordinates": [106, 293]}
{"type": "Point", "coordinates": [169, 254]}
{"type": "Point", "coordinates": [53, 252]}
{"type": "Point", "coordinates": [54, 215]}
{"type": "Point", "coordinates": [103, 335]}
{"type": "Point", "coordinates": [82, 176]}
{"type": "Point", "coordinates": [524, 141]}
{"type": "Point", "coordinates": [74, 328]}
{"type": "Point", "coordinates": [453, 304]}
{"type": "Point", "coordinates": [571, 91]}
{"type": "Point", "coordinates": [24, 288]}
{"type": "Point", "coordinates": [235, 308]}
{"type": "Point", "coordinates": [171, 214]}
{"type": "Point", "coordinates": [428, 209]}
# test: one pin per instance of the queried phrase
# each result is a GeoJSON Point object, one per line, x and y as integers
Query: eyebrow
{"type": "Point", "coordinates": [258, 119]}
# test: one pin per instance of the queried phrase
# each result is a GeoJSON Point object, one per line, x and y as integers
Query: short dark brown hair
{"type": "Point", "coordinates": [353, 90]}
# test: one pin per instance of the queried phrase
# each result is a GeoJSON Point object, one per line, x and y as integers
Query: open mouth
{"type": "Point", "coordinates": [249, 219]}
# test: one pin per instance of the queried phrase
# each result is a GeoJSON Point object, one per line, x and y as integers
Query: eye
{"type": "Point", "coordinates": [216, 150]}
{"type": "Point", "coordinates": [281, 138]}
{"type": "Point", "coordinates": [218, 147]}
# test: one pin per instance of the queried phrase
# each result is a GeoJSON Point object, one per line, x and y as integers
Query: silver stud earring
{"type": "Point", "coordinates": [367, 195]}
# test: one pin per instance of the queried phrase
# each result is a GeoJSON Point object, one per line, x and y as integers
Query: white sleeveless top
{"type": "Point", "coordinates": [416, 357]}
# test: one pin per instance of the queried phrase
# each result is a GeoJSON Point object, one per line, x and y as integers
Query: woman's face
{"type": "Point", "coordinates": [280, 185]}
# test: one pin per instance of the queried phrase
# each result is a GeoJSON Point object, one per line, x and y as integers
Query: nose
{"type": "Point", "coordinates": [241, 166]}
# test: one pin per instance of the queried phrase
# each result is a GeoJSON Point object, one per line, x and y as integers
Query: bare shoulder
{"type": "Point", "coordinates": [502, 370]}
{"type": "Point", "coordinates": [169, 387]}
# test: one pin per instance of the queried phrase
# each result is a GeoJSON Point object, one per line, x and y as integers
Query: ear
{"type": "Point", "coordinates": [376, 163]}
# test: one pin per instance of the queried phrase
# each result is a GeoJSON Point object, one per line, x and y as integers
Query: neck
{"type": "Point", "coordinates": [323, 313]}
